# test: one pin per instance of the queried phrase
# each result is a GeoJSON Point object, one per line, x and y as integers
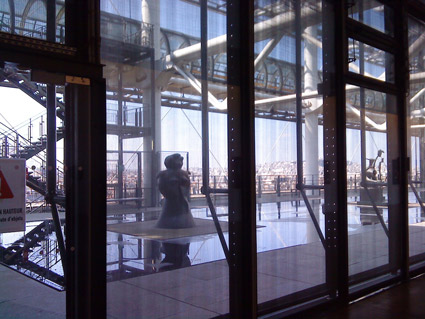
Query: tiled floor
{"type": "Point", "coordinates": [24, 298]}
{"type": "Point", "coordinates": [201, 291]}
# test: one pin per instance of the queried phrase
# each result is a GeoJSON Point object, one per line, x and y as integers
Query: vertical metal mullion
{"type": "Point", "coordinates": [155, 157]}
{"type": "Point", "coordinates": [51, 20]}
{"type": "Point", "coordinates": [241, 159]}
{"type": "Point", "coordinates": [298, 88]}
{"type": "Point", "coordinates": [51, 168]}
{"type": "Point", "coordinates": [402, 82]}
{"type": "Point", "coordinates": [205, 127]}
{"type": "Point", "coordinates": [85, 168]}
{"type": "Point", "coordinates": [335, 63]}
{"type": "Point", "coordinates": [204, 77]}
{"type": "Point", "coordinates": [85, 172]}
{"type": "Point", "coordinates": [340, 135]}
{"type": "Point", "coordinates": [120, 120]}
{"type": "Point", "coordinates": [139, 191]}
{"type": "Point", "coordinates": [394, 147]}
{"type": "Point", "coordinates": [362, 105]}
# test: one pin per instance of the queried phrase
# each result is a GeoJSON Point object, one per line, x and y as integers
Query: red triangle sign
{"type": "Point", "coordinates": [5, 191]}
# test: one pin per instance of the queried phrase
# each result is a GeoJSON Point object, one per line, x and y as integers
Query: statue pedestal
{"type": "Point", "coordinates": [172, 220]}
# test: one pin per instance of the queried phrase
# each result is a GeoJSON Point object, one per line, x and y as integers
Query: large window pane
{"type": "Point", "coordinates": [370, 62]}
{"type": "Point", "coordinates": [372, 13]}
{"type": "Point", "coordinates": [416, 134]}
{"type": "Point", "coordinates": [157, 266]}
{"type": "Point", "coordinates": [291, 257]}
{"type": "Point", "coordinates": [372, 188]}
{"type": "Point", "coordinates": [31, 269]}
{"type": "Point", "coordinates": [29, 18]}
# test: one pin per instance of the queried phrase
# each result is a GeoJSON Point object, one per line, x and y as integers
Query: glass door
{"type": "Point", "coordinates": [373, 145]}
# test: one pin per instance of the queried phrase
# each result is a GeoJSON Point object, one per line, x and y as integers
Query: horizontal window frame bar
{"type": "Point", "coordinates": [371, 83]}
{"type": "Point", "coordinates": [53, 64]}
{"type": "Point", "coordinates": [370, 36]}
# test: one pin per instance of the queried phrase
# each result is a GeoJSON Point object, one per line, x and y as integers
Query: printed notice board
{"type": "Point", "coordinates": [12, 195]}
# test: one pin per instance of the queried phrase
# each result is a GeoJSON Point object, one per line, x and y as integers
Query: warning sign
{"type": "Point", "coordinates": [5, 191]}
{"type": "Point", "coordinates": [12, 195]}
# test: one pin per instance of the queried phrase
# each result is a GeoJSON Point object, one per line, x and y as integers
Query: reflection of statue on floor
{"type": "Point", "coordinates": [174, 184]}
{"type": "Point", "coordinates": [176, 256]}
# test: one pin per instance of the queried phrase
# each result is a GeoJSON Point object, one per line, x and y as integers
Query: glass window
{"type": "Point", "coordinates": [31, 242]}
{"type": "Point", "coordinates": [29, 18]}
{"type": "Point", "coordinates": [416, 133]}
{"type": "Point", "coordinates": [371, 62]}
{"type": "Point", "coordinates": [371, 186]}
{"type": "Point", "coordinates": [164, 255]}
{"type": "Point", "coordinates": [372, 13]}
{"type": "Point", "coordinates": [291, 255]}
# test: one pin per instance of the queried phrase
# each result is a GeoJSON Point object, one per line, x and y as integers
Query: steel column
{"type": "Point", "coordinates": [401, 80]}
{"type": "Point", "coordinates": [334, 133]}
{"type": "Point", "coordinates": [85, 168]}
{"type": "Point", "coordinates": [85, 173]}
{"type": "Point", "coordinates": [241, 159]}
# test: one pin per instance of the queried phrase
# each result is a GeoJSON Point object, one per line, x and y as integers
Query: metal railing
{"type": "Point", "coordinates": [130, 117]}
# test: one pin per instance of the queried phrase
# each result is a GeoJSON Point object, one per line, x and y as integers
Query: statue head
{"type": "Point", "coordinates": [174, 161]}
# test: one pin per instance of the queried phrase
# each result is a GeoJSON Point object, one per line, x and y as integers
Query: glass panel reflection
{"type": "Point", "coordinates": [416, 134]}
{"type": "Point", "coordinates": [371, 62]}
{"type": "Point", "coordinates": [291, 257]}
{"type": "Point", "coordinates": [371, 187]}
{"type": "Point", "coordinates": [158, 264]}
{"type": "Point", "coordinates": [29, 18]}
{"type": "Point", "coordinates": [372, 13]}
{"type": "Point", "coordinates": [31, 269]}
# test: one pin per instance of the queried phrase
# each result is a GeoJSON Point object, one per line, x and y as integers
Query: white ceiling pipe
{"type": "Point", "coordinates": [262, 30]}
{"type": "Point", "coordinates": [267, 50]}
{"type": "Point", "coordinates": [198, 87]}
{"type": "Point", "coordinates": [416, 46]}
{"type": "Point", "coordinates": [216, 87]}
{"type": "Point", "coordinates": [379, 127]}
{"type": "Point", "coordinates": [417, 95]}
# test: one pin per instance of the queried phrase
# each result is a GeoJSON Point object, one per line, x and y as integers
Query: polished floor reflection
{"type": "Point", "coordinates": [187, 276]}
